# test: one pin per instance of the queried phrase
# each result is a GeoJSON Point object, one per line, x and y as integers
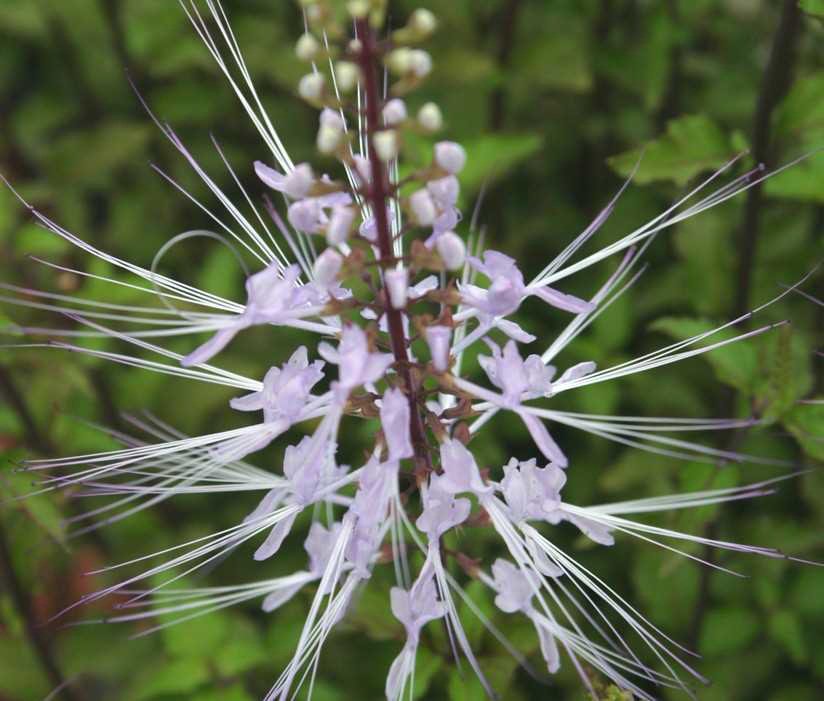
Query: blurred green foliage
{"type": "Point", "coordinates": [556, 100]}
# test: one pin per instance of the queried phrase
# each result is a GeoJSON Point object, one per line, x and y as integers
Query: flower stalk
{"type": "Point", "coordinates": [378, 193]}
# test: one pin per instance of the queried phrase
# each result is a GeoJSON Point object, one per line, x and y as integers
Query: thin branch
{"type": "Point", "coordinates": [34, 438]}
{"type": "Point", "coordinates": [774, 85]}
{"type": "Point", "coordinates": [505, 30]}
{"type": "Point", "coordinates": [34, 631]}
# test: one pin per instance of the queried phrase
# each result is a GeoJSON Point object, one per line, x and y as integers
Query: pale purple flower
{"type": "Point", "coordinates": [441, 510]}
{"type": "Point", "coordinates": [506, 290]}
{"type": "Point", "coordinates": [414, 609]}
{"type": "Point", "coordinates": [532, 492]}
{"type": "Point", "coordinates": [356, 364]}
{"type": "Point", "coordinates": [460, 471]}
{"type": "Point", "coordinates": [438, 338]}
{"type": "Point", "coordinates": [515, 593]}
{"type": "Point", "coordinates": [285, 389]}
{"type": "Point", "coordinates": [395, 422]}
{"type": "Point", "coordinates": [271, 298]}
{"type": "Point", "coordinates": [310, 214]}
{"type": "Point", "coordinates": [518, 379]}
{"type": "Point", "coordinates": [296, 183]}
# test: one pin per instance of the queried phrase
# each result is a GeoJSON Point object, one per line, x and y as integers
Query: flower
{"type": "Point", "coordinates": [428, 409]}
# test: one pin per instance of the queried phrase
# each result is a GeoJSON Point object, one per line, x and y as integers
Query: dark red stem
{"type": "Point", "coordinates": [378, 192]}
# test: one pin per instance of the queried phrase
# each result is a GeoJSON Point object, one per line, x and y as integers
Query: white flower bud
{"type": "Point", "coordinates": [422, 207]}
{"type": "Point", "coordinates": [450, 156]}
{"type": "Point", "coordinates": [311, 87]}
{"type": "Point", "coordinates": [340, 224]}
{"type": "Point", "coordinates": [397, 285]}
{"type": "Point", "coordinates": [400, 61]}
{"type": "Point", "coordinates": [394, 112]}
{"type": "Point", "coordinates": [307, 48]}
{"type": "Point", "coordinates": [438, 338]}
{"type": "Point", "coordinates": [330, 134]}
{"type": "Point", "coordinates": [420, 63]}
{"type": "Point", "coordinates": [327, 267]}
{"type": "Point", "coordinates": [331, 118]}
{"type": "Point", "coordinates": [346, 75]}
{"type": "Point", "coordinates": [452, 250]}
{"type": "Point", "coordinates": [355, 46]}
{"type": "Point", "coordinates": [430, 117]}
{"type": "Point", "coordinates": [423, 22]}
{"type": "Point", "coordinates": [329, 139]}
{"type": "Point", "coordinates": [386, 144]}
{"type": "Point", "coordinates": [358, 9]}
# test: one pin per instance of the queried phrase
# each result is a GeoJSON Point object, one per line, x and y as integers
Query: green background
{"type": "Point", "coordinates": [552, 99]}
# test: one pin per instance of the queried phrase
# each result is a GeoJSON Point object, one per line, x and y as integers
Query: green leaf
{"type": "Point", "coordinates": [176, 677]}
{"type": "Point", "coordinates": [90, 157]}
{"type": "Point", "coordinates": [233, 693]}
{"type": "Point", "coordinates": [806, 423]}
{"type": "Point", "coordinates": [691, 145]}
{"type": "Point", "coordinates": [803, 182]}
{"type": "Point", "coordinates": [812, 7]}
{"type": "Point", "coordinates": [493, 155]}
{"type": "Point", "coordinates": [40, 508]}
{"type": "Point", "coordinates": [22, 676]}
{"type": "Point", "coordinates": [197, 638]}
{"type": "Point", "coordinates": [787, 375]}
{"type": "Point", "coordinates": [242, 649]}
{"type": "Point", "coordinates": [801, 112]}
{"type": "Point", "coordinates": [735, 364]}
{"type": "Point", "coordinates": [727, 630]}
{"type": "Point", "coordinates": [786, 629]}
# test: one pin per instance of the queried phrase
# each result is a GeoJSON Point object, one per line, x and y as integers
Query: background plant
{"type": "Point", "coordinates": [546, 97]}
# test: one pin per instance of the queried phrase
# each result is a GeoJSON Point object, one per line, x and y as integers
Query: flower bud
{"type": "Point", "coordinates": [355, 46]}
{"type": "Point", "coordinates": [331, 118]}
{"type": "Point", "coordinates": [394, 112]}
{"type": "Point", "coordinates": [346, 75]}
{"type": "Point", "coordinates": [450, 156]}
{"type": "Point", "coordinates": [330, 134]}
{"type": "Point", "coordinates": [386, 144]}
{"type": "Point", "coordinates": [327, 267]}
{"type": "Point", "coordinates": [340, 224]}
{"type": "Point", "coordinates": [363, 169]}
{"type": "Point", "coordinates": [451, 249]}
{"type": "Point", "coordinates": [397, 285]}
{"type": "Point", "coordinates": [430, 117]}
{"type": "Point", "coordinates": [420, 63]}
{"type": "Point", "coordinates": [423, 22]}
{"type": "Point", "coordinates": [399, 61]}
{"type": "Point", "coordinates": [307, 48]}
{"type": "Point", "coordinates": [422, 207]}
{"type": "Point", "coordinates": [311, 87]}
{"type": "Point", "coordinates": [438, 339]}
{"type": "Point", "coordinates": [315, 13]}
{"type": "Point", "coordinates": [329, 139]}
{"type": "Point", "coordinates": [358, 9]}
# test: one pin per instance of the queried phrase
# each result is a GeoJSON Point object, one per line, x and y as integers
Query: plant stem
{"type": "Point", "coordinates": [378, 193]}
{"type": "Point", "coordinates": [34, 632]}
{"type": "Point", "coordinates": [774, 85]}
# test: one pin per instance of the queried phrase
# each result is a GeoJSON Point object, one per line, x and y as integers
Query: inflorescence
{"type": "Point", "coordinates": [371, 267]}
